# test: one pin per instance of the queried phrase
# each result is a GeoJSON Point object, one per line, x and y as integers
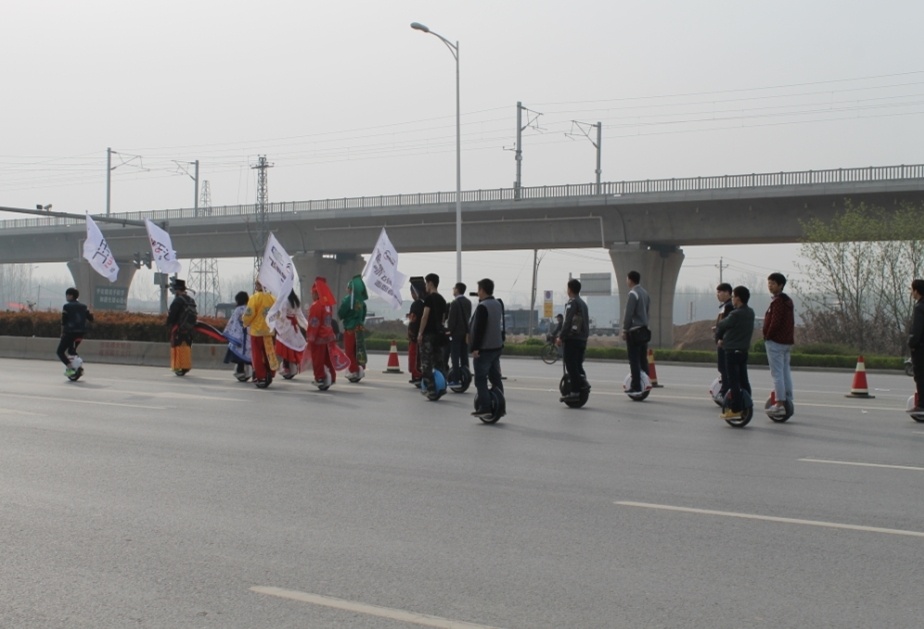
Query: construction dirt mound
{"type": "Point", "coordinates": [696, 335]}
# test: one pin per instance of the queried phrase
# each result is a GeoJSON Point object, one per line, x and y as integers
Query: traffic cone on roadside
{"type": "Point", "coordinates": [652, 372]}
{"type": "Point", "coordinates": [860, 388]}
{"type": "Point", "coordinates": [393, 365]}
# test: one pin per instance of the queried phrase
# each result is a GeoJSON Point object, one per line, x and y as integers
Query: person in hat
{"type": "Point", "coordinates": [352, 314]}
{"type": "Point", "coordinates": [181, 320]}
{"type": "Point", "coordinates": [321, 337]}
{"type": "Point", "coordinates": [418, 292]}
{"type": "Point", "coordinates": [262, 350]}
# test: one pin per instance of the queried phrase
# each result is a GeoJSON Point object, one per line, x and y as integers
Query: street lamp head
{"type": "Point", "coordinates": [417, 26]}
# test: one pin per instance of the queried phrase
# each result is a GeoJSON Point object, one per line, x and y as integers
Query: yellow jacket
{"type": "Point", "coordinates": [255, 316]}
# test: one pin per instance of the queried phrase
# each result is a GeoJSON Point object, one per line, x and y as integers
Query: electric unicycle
{"type": "Point", "coordinates": [644, 381]}
{"type": "Point", "coordinates": [461, 379]}
{"type": "Point", "coordinates": [715, 391]}
{"type": "Point", "coordinates": [912, 404]}
{"type": "Point", "coordinates": [564, 387]}
{"type": "Point", "coordinates": [498, 406]}
{"type": "Point", "coordinates": [739, 420]}
{"type": "Point", "coordinates": [74, 372]}
{"type": "Point", "coordinates": [439, 386]}
{"type": "Point", "coordinates": [356, 376]}
{"type": "Point", "coordinates": [775, 417]}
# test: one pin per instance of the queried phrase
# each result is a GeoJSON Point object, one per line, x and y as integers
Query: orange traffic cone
{"type": "Point", "coordinates": [393, 365]}
{"type": "Point", "coordinates": [859, 388]}
{"type": "Point", "coordinates": [652, 372]}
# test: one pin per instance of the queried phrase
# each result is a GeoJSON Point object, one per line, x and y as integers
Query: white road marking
{"type": "Point", "coordinates": [370, 610]}
{"type": "Point", "coordinates": [13, 411]}
{"type": "Point", "coordinates": [75, 401]}
{"type": "Point", "coordinates": [892, 467]}
{"type": "Point", "coordinates": [770, 518]}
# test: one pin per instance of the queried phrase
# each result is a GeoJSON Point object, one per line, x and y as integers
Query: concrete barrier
{"type": "Point", "coordinates": [205, 355]}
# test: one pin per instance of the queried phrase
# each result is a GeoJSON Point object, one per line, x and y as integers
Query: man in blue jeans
{"type": "Point", "coordinates": [779, 332]}
{"type": "Point", "coordinates": [487, 344]}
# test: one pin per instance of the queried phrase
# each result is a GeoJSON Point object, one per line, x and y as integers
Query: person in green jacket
{"type": "Point", "coordinates": [352, 314]}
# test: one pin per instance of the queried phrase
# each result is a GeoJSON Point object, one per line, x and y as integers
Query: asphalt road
{"type": "Point", "coordinates": [134, 498]}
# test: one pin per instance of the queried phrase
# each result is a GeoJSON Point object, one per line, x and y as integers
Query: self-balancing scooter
{"type": "Point", "coordinates": [564, 387]}
{"type": "Point", "coordinates": [460, 378]}
{"type": "Point", "coordinates": [74, 372]}
{"type": "Point", "coordinates": [439, 386]}
{"type": "Point", "coordinates": [498, 406]}
{"type": "Point", "coordinates": [644, 381]}
{"type": "Point", "coordinates": [913, 404]}
{"type": "Point", "coordinates": [739, 420]}
{"type": "Point", "coordinates": [778, 418]}
{"type": "Point", "coordinates": [715, 391]}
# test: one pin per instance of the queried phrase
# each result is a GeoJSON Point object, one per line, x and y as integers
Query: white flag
{"type": "Point", "coordinates": [276, 266]}
{"type": "Point", "coordinates": [97, 252]}
{"type": "Point", "coordinates": [162, 249]}
{"type": "Point", "coordinates": [276, 319]}
{"type": "Point", "coordinates": [381, 273]}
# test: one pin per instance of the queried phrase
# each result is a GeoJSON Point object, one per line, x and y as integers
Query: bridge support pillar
{"type": "Point", "coordinates": [336, 268]}
{"type": "Point", "coordinates": [98, 292]}
{"type": "Point", "coordinates": [659, 268]}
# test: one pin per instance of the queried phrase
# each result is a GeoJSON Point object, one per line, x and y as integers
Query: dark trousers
{"type": "Point", "coordinates": [458, 353]}
{"type": "Point", "coordinates": [487, 369]}
{"type": "Point", "coordinates": [432, 355]}
{"type": "Point", "coordinates": [723, 370]}
{"type": "Point", "coordinates": [736, 364]}
{"type": "Point", "coordinates": [638, 362]}
{"type": "Point", "coordinates": [68, 346]}
{"type": "Point", "coordinates": [917, 362]}
{"type": "Point", "coordinates": [573, 356]}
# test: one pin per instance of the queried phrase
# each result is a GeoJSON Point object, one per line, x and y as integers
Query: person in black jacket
{"type": "Point", "coordinates": [573, 340]}
{"type": "Point", "coordinates": [737, 329]}
{"type": "Point", "coordinates": [74, 318]}
{"type": "Point", "coordinates": [723, 292]}
{"type": "Point", "coordinates": [460, 313]}
{"type": "Point", "coordinates": [487, 344]}
{"type": "Point", "coordinates": [916, 343]}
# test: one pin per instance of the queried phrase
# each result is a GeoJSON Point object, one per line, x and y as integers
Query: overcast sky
{"type": "Point", "coordinates": [345, 99]}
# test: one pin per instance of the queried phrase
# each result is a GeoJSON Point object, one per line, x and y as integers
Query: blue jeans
{"type": "Point", "coordinates": [487, 368]}
{"type": "Point", "coordinates": [778, 356]}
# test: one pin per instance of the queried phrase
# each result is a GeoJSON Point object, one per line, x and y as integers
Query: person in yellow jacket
{"type": "Point", "coordinates": [263, 351]}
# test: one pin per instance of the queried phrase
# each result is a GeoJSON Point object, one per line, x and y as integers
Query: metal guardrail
{"type": "Point", "coordinates": [638, 187]}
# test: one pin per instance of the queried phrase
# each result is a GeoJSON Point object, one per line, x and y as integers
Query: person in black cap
{"type": "Point", "coordinates": [418, 292]}
{"type": "Point", "coordinates": [181, 319]}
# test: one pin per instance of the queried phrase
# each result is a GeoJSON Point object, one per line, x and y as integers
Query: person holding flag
{"type": "Point", "coordinates": [352, 314]}
{"type": "Point", "coordinates": [181, 320]}
{"type": "Point", "coordinates": [262, 351]}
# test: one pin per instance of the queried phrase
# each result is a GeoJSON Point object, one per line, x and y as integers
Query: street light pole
{"type": "Point", "coordinates": [454, 49]}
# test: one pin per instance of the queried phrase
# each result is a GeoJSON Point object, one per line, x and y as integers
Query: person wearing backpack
{"type": "Point", "coordinates": [74, 318]}
{"type": "Point", "coordinates": [181, 320]}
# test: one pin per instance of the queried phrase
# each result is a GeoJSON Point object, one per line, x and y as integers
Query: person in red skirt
{"type": "Point", "coordinates": [321, 337]}
{"type": "Point", "coordinates": [290, 337]}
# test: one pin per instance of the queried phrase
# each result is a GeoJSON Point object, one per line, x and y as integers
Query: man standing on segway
{"type": "Point", "coordinates": [487, 344]}
{"type": "Point", "coordinates": [736, 330]}
{"type": "Point", "coordinates": [573, 340]}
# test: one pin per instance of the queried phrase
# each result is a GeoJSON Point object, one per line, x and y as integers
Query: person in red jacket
{"type": "Point", "coordinates": [779, 329]}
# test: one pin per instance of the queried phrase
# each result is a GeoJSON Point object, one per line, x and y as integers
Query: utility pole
{"type": "Point", "coordinates": [262, 201]}
{"type": "Point", "coordinates": [721, 267]}
{"type": "Point", "coordinates": [108, 177]}
{"type": "Point", "coordinates": [203, 272]}
{"type": "Point", "coordinates": [584, 128]}
{"type": "Point", "coordinates": [518, 184]}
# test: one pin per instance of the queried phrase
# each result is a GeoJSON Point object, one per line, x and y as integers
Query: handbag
{"type": "Point", "coordinates": [640, 335]}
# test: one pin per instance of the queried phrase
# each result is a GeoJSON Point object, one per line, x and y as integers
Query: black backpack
{"type": "Point", "coordinates": [188, 317]}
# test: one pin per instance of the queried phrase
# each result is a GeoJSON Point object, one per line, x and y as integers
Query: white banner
{"type": "Point", "coordinates": [276, 319]}
{"type": "Point", "coordinates": [162, 249]}
{"type": "Point", "coordinates": [276, 266]}
{"type": "Point", "coordinates": [97, 252]}
{"type": "Point", "coordinates": [381, 273]}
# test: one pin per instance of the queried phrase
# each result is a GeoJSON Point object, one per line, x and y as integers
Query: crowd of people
{"type": "Point", "coordinates": [267, 336]}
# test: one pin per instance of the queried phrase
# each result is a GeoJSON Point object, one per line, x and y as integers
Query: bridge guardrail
{"type": "Point", "coordinates": [644, 186]}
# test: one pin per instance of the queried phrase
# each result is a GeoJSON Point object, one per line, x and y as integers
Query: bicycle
{"type": "Point", "coordinates": [550, 353]}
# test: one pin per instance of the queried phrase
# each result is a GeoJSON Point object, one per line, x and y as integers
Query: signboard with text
{"type": "Point", "coordinates": [110, 298]}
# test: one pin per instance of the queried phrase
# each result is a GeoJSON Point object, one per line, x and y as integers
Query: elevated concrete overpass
{"type": "Point", "coordinates": [642, 224]}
